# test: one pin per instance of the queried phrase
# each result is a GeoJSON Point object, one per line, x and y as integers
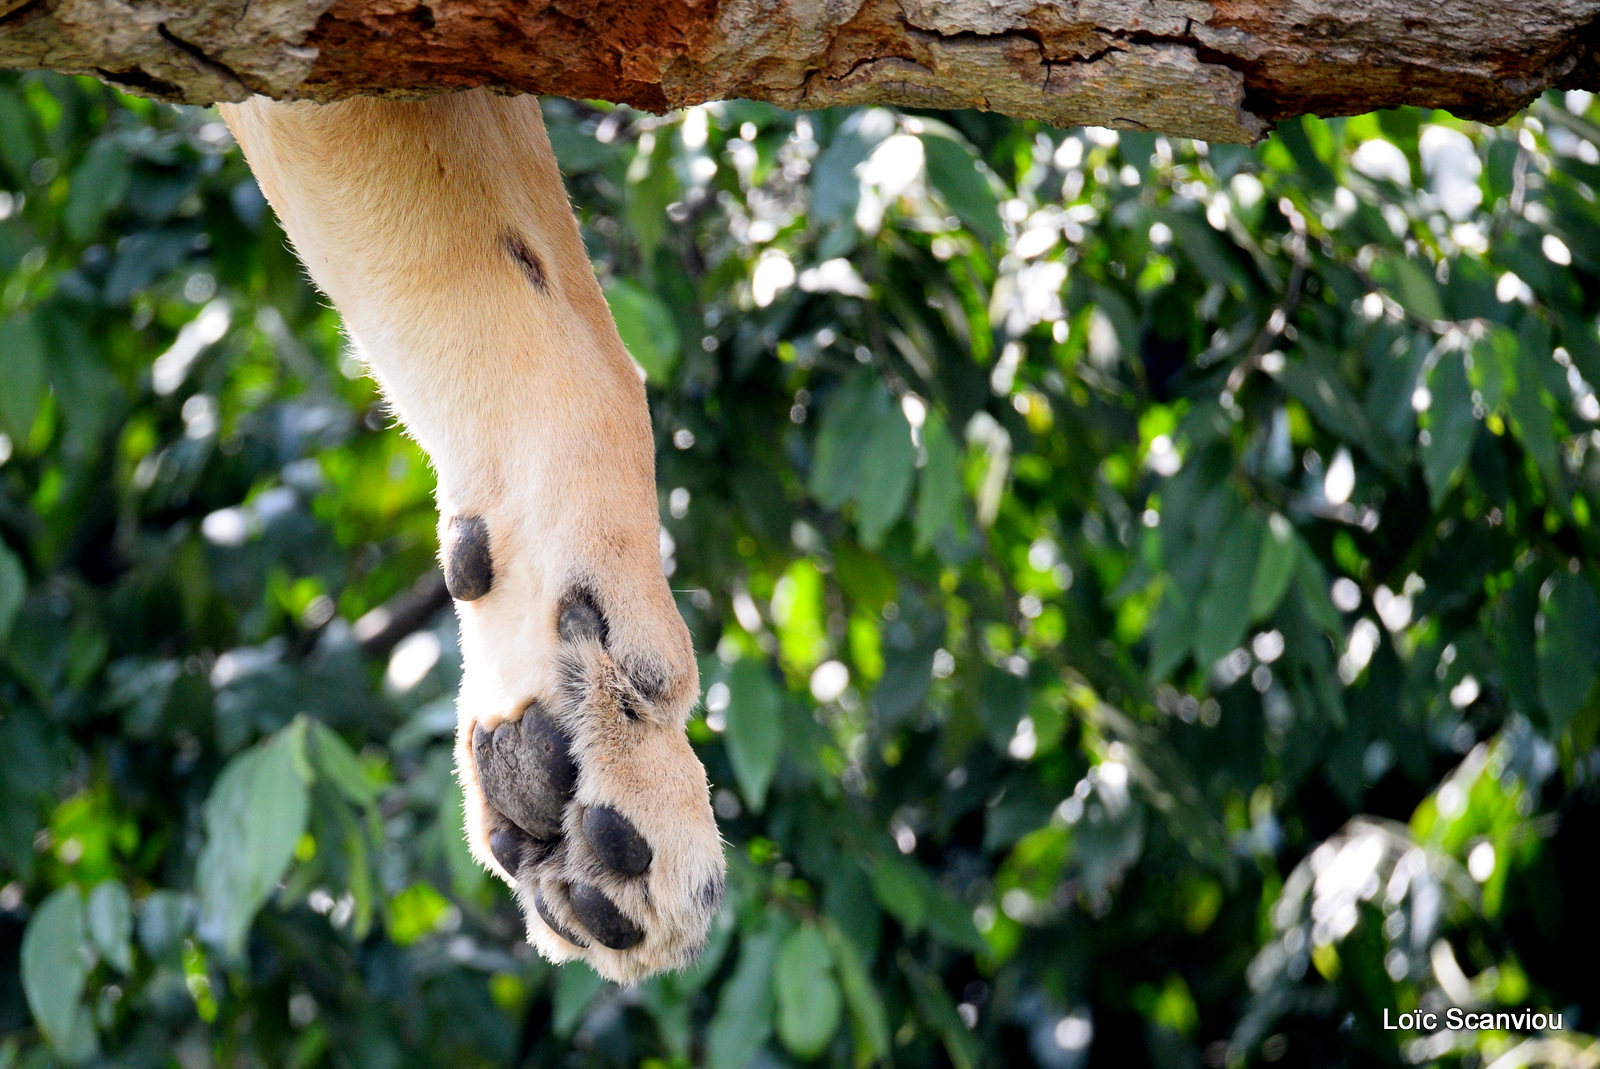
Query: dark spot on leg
{"type": "Point", "coordinates": [711, 894]}
{"type": "Point", "coordinates": [549, 917]}
{"type": "Point", "coordinates": [528, 260]}
{"type": "Point", "coordinates": [422, 15]}
{"type": "Point", "coordinates": [468, 567]}
{"type": "Point", "coordinates": [526, 771]}
{"type": "Point", "coordinates": [603, 919]}
{"type": "Point", "coordinates": [580, 618]}
{"type": "Point", "coordinates": [615, 841]}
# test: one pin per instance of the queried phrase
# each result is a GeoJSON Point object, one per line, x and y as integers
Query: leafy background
{"type": "Point", "coordinates": [1146, 593]}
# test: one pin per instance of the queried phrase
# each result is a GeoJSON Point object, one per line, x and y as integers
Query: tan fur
{"type": "Point", "coordinates": [535, 420]}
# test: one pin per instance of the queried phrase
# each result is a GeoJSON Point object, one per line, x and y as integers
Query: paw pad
{"type": "Point", "coordinates": [526, 767]}
{"type": "Point", "coordinates": [602, 917]}
{"type": "Point", "coordinates": [594, 807]}
{"type": "Point", "coordinates": [468, 565]}
{"type": "Point", "coordinates": [615, 841]}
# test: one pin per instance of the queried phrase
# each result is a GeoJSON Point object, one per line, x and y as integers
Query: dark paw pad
{"type": "Point", "coordinates": [580, 618]}
{"type": "Point", "coordinates": [526, 771]}
{"type": "Point", "coordinates": [468, 567]}
{"type": "Point", "coordinates": [549, 917]}
{"type": "Point", "coordinates": [509, 845]}
{"type": "Point", "coordinates": [615, 841]}
{"type": "Point", "coordinates": [603, 919]}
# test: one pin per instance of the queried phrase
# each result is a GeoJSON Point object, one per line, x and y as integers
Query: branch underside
{"type": "Point", "coordinates": [1223, 70]}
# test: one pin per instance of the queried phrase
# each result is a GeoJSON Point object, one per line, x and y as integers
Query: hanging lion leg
{"type": "Point", "coordinates": [442, 233]}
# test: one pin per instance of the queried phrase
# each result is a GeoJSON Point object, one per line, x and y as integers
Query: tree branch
{"type": "Point", "coordinates": [1219, 69]}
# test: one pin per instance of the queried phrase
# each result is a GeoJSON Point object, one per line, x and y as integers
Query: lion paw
{"type": "Point", "coordinates": [587, 798]}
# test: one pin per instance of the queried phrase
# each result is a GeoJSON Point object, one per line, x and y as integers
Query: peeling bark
{"type": "Point", "coordinates": [1223, 70]}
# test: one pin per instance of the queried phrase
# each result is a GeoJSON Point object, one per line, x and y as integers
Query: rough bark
{"type": "Point", "coordinates": [1218, 69]}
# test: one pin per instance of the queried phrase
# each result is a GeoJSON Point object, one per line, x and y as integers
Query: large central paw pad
{"type": "Point", "coordinates": [595, 809]}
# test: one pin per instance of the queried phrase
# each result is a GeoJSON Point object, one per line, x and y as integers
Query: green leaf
{"type": "Point", "coordinates": [849, 417]}
{"type": "Point", "coordinates": [743, 1020]}
{"type": "Point", "coordinates": [55, 961]}
{"type": "Point", "coordinates": [97, 187]}
{"type": "Point", "coordinates": [887, 466]}
{"type": "Point", "coordinates": [901, 888]}
{"type": "Point", "coordinates": [1280, 550]}
{"type": "Point", "coordinates": [809, 1001]}
{"type": "Point", "coordinates": [1568, 644]}
{"type": "Point", "coordinates": [956, 174]}
{"type": "Point", "coordinates": [651, 186]}
{"type": "Point", "coordinates": [869, 1024]}
{"type": "Point", "coordinates": [337, 764]}
{"type": "Point", "coordinates": [939, 1009]}
{"type": "Point", "coordinates": [13, 589]}
{"type": "Point", "coordinates": [1225, 608]}
{"type": "Point", "coordinates": [1411, 283]}
{"type": "Point", "coordinates": [22, 369]}
{"type": "Point", "coordinates": [254, 817]}
{"type": "Point", "coordinates": [576, 988]}
{"type": "Point", "coordinates": [165, 918]}
{"type": "Point", "coordinates": [647, 329]}
{"type": "Point", "coordinates": [110, 915]}
{"type": "Point", "coordinates": [1451, 425]}
{"type": "Point", "coordinates": [754, 735]}
{"type": "Point", "coordinates": [1532, 419]}
{"type": "Point", "coordinates": [939, 486]}
{"type": "Point", "coordinates": [18, 149]}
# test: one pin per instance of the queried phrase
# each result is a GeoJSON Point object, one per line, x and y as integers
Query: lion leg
{"type": "Point", "coordinates": [441, 231]}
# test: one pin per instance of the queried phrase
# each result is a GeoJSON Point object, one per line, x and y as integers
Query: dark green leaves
{"type": "Point", "coordinates": [22, 362]}
{"type": "Point", "coordinates": [1280, 555]}
{"type": "Point", "coordinates": [98, 186]}
{"type": "Point", "coordinates": [957, 175]}
{"type": "Point", "coordinates": [13, 588]}
{"type": "Point", "coordinates": [1568, 628]}
{"type": "Point", "coordinates": [1450, 424]}
{"type": "Point", "coordinates": [887, 464]}
{"type": "Point", "coordinates": [865, 455]}
{"type": "Point", "coordinates": [939, 486]}
{"type": "Point", "coordinates": [1225, 607]}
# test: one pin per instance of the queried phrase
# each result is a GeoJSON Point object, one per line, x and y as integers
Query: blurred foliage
{"type": "Point", "coordinates": [1146, 594]}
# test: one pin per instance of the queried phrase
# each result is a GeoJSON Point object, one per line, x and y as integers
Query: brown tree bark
{"type": "Point", "coordinates": [1218, 69]}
